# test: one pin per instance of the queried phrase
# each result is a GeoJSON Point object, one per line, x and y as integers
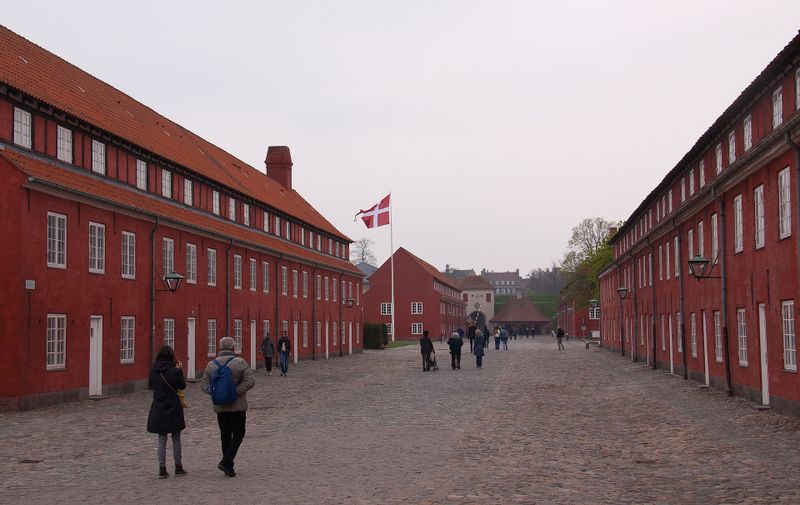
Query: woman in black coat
{"type": "Point", "coordinates": [478, 348]}
{"type": "Point", "coordinates": [166, 411]}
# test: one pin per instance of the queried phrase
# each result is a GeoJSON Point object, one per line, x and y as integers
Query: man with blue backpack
{"type": "Point", "coordinates": [227, 379]}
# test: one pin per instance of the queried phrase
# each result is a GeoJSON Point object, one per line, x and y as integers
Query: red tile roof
{"type": "Point", "coordinates": [108, 190]}
{"type": "Point", "coordinates": [43, 75]}
{"type": "Point", "coordinates": [474, 282]}
{"type": "Point", "coordinates": [518, 310]}
{"type": "Point", "coordinates": [435, 273]}
{"type": "Point", "coordinates": [501, 276]}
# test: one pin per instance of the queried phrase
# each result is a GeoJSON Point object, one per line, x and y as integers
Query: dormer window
{"type": "Point", "coordinates": [215, 202]}
{"type": "Point", "coordinates": [232, 209]}
{"type": "Point", "coordinates": [187, 192]}
{"type": "Point", "coordinates": [22, 127]}
{"type": "Point", "coordinates": [166, 183]}
{"type": "Point", "coordinates": [98, 157]}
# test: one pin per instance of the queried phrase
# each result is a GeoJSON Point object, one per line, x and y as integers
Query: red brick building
{"type": "Point", "coordinates": [426, 299]}
{"type": "Point", "coordinates": [731, 202]}
{"type": "Point", "coordinates": [101, 198]}
{"type": "Point", "coordinates": [505, 283]}
{"type": "Point", "coordinates": [578, 321]}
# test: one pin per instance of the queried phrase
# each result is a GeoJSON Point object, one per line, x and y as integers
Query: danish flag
{"type": "Point", "coordinates": [377, 215]}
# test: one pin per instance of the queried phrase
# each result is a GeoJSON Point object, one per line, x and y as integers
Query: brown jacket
{"type": "Point", "coordinates": [242, 376]}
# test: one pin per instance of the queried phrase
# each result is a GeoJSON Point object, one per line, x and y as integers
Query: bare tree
{"type": "Point", "coordinates": [588, 237]}
{"type": "Point", "coordinates": [361, 251]}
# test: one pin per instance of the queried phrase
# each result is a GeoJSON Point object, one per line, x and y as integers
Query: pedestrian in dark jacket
{"type": "Point", "coordinates": [426, 348]}
{"type": "Point", "coordinates": [268, 350]}
{"type": "Point", "coordinates": [559, 338]}
{"type": "Point", "coordinates": [478, 349]}
{"type": "Point", "coordinates": [166, 411]}
{"type": "Point", "coordinates": [285, 350]}
{"type": "Point", "coordinates": [471, 335]}
{"type": "Point", "coordinates": [455, 343]}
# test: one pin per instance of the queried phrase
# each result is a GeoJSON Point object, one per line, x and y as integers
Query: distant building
{"type": "Point", "coordinates": [504, 283]}
{"type": "Point", "coordinates": [455, 273]}
{"type": "Point", "coordinates": [519, 314]}
{"type": "Point", "coordinates": [425, 299]}
{"type": "Point", "coordinates": [478, 294]}
{"type": "Point", "coordinates": [366, 270]}
{"type": "Point", "coordinates": [574, 320]}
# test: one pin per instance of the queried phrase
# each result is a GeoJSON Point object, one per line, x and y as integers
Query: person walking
{"type": "Point", "coordinates": [231, 417]}
{"type": "Point", "coordinates": [285, 350]}
{"type": "Point", "coordinates": [504, 338]}
{"type": "Point", "coordinates": [455, 343]}
{"type": "Point", "coordinates": [559, 338]}
{"type": "Point", "coordinates": [478, 350]}
{"type": "Point", "coordinates": [426, 348]}
{"type": "Point", "coordinates": [471, 335]}
{"type": "Point", "coordinates": [268, 350]}
{"type": "Point", "coordinates": [166, 411]}
{"type": "Point", "coordinates": [497, 336]}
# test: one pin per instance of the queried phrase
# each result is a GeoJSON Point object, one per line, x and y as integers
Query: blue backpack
{"type": "Point", "coordinates": [222, 388]}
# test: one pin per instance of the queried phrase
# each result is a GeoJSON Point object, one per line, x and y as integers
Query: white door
{"type": "Point", "coordinates": [350, 337]}
{"type": "Point", "coordinates": [705, 347]}
{"type": "Point", "coordinates": [191, 363]}
{"type": "Point", "coordinates": [671, 357]}
{"type": "Point", "coordinates": [96, 356]}
{"type": "Point", "coordinates": [253, 357]}
{"type": "Point", "coordinates": [295, 348]}
{"type": "Point", "coordinates": [327, 347]}
{"type": "Point", "coordinates": [762, 338]}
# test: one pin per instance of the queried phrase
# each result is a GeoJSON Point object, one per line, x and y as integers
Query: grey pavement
{"type": "Point", "coordinates": [533, 426]}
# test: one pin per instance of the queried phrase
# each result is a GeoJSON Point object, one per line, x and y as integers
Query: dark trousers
{"type": "Point", "coordinates": [268, 363]}
{"type": "Point", "coordinates": [455, 358]}
{"type": "Point", "coordinates": [426, 361]}
{"type": "Point", "coordinates": [231, 431]}
{"type": "Point", "coordinates": [479, 360]}
{"type": "Point", "coordinates": [470, 344]}
{"type": "Point", "coordinates": [284, 362]}
{"type": "Point", "coordinates": [497, 342]}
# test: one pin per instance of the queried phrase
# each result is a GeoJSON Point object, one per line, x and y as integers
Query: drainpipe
{"type": "Point", "coordinates": [314, 314]}
{"type": "Point", "coordinates": [153, 290]}
{"type": "Point", "coordinates": [724, 283]}
{"type": "Point", "coordinates": [796, 148]}
{"type": "Point", "coordinates": [635, 290]}
{"type": "Point", "coordinates": [653, 295]}
{"type": "Point", "coordinates": [681, 323]}
{"type": "Point", "coordinates": [228, 289]}
{"type": "Point", "coordinates": [278, 281]}
{"type": "Point", "coordinates": [341, 302]}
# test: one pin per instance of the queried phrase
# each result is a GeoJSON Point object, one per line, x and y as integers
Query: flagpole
{"type": "Point", "coordinates": [391, 258]}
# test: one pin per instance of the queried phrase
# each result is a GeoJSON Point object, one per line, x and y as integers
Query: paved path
{"type": "Point", "coordinates": [533, 426]}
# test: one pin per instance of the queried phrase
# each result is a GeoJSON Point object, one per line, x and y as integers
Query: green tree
{"type": "Point", "coordinates": [587, 255]}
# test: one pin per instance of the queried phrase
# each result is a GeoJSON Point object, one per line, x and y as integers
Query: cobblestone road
{"type": "Point", "coordinates": [533, 426]}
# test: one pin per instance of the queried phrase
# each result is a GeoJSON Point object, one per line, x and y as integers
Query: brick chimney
{"type": "Point", "coordinates": [279, 165]}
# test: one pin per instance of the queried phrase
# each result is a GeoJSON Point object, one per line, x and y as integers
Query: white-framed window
{"type": "Point", "coordinates": [701, 170]}
{"type": "Point", "coordinates": [416, 328]}
{"type": "Point", "coordinates": [284, 281]}
{"type": "Point", "coordinates": [669, 201]}
{"type": "Point", "coordinates": [211, 337]}
{"type": "Point", "coordinates": [650, 268]}
{"type": "Point", "coordinates": [295, 283]}
{"type": "Point", "coordinates": [288, 234]}
{"type": "Point", "coordinates": [667, 264]}
{"type": "Point", "coordinates": [349, 290]}
{"type": "Point", "coordinates": [388, 329]}
{"type": "Point", "coordinates": [693, 333]}
{"type": "Point", "coordinates": [680, 331]}
{"type": "Point", "coordinates": [784, 201]}
{"type": "Point", "coordinates": [717, 336]}
{"type": "Point", "coordinates": [334, 332]}
{"type": "Point", "coordinates": [127, 339]}
{"type": "Point", "coordinates": [265, 330]}
{"type": "Point", "coordinates": [714, 238]}
{"type": "Point", "coordinates": [128, 255]}
{"type": "Point", "coordinates": [237, 335]}
{"type": "Point", "coordinates": [797, 89]}
{"type": "Point", "coordinates": [305, 334]}
{"type": "Point", "coordinates": [246, 214]}
{"type": "Point", "coordinates": [237, 271]}
{"type": "Point", "coordinates": [318, 334]}
{"type": "Point", "coordinates": [168, 253]}
{"type": "Point", "coordinates": [97, 248]}
{"type": "Point", "coordinates": [232, 209]}
{"type": "Point", "coordinates": [386, 308]}
{"type": "Point", "coordinates": [416, 308]}
{"type": "Point", "coordinates": [141, 175]}
{"type": "Point", "coordinates": [789, 345]}
{"type": "Point", "coordinates": [98, 157]}
{"type": "Point", "coordinates": [731, 147]}
{"type": "Point", "coordinates": [758, 208]}
{"type": "Point", "coordinates": [358, 295]}
{"type": "Point", "coordinates": [663, 337]}
{"type": "Point", "coordinates": [169, 332]}
{"type": "Point", "coordinates": [334, 291]}
{"type": "Point", "coordinates": [691, 181]}
{"type": "Point", "coordinates": [777, 107]}
{"type": "Point", "coordinates": [277, 226]}
{"type": "Point", "coordinates": [22, 127]}
{"type": "Point", "coordinates": [166, 183]}
{"type": "Point", "coordinates": [690, 244]}
{"type": "Point", "coordinates": [305, 284]}
{"type": "Point", "coordinates": [188, 195]}
{"type": "Point", "coordinates": [215, 202]}
{"type": "Point", "coordinates": [738, 227]}
{"type": "Point", "coordinates": [56, 240]}
{"type": "Point", "coordinates": [64, 144]}
{"type": "Point", "coordinates": [594, 313]}
{"type": "Point", "coordinates": [302, 236]}
{"type": "Point", "coordinates": [266, 222]}
{"type": "Point", "coordinates": [56, 341]}
{"type": "Point", "coordinates": [700, 239]}
{"type": "Point", "coordinates": [212, 266]}
{"type": "Point", "coordinates": [253, 274]}
{"type": "Point", "coordinates": [741, 325]}
{"type": "Point", "coordinates": [683, 189]}
{"type": "Point", "coordinates": [191, 264]}
{"type": "Point", "coordinates": [718, 158]}
{"type": "Point", "coordinates": [319, 286]}
{"type": "Point", "coordinates": [265, 277]}
{"type": "Point", "coordinates": [327, 289]}
{"type": "Point", "coordinates": [748, 132]}
{"type": "Point", "coordinates": [660, 262]}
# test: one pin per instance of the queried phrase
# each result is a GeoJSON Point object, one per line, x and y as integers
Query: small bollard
{"type": "Point", "coordinates": [587, 344]}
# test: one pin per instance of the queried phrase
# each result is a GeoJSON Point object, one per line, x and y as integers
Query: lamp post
{"type": "Point", "coordinates": [622, 291]}
{"type": "Point", "coordinates": [172, 281]}
{"type": "Point", "coordinates": [698, 266]}
{"type": "Point", "coordinates": [594, 305]}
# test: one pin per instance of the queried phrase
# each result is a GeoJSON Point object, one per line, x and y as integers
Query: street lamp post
{"type": "Point", "coordinates": [594, 305]}
{"type": "Point", "coordinates": [622, 291]}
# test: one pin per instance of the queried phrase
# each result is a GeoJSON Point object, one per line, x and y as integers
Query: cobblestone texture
{"type": "Point", "coordinates": [533, 426]}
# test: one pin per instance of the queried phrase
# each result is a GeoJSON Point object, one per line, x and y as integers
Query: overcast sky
{"type": "Point", "coordinates": [496, 125]}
